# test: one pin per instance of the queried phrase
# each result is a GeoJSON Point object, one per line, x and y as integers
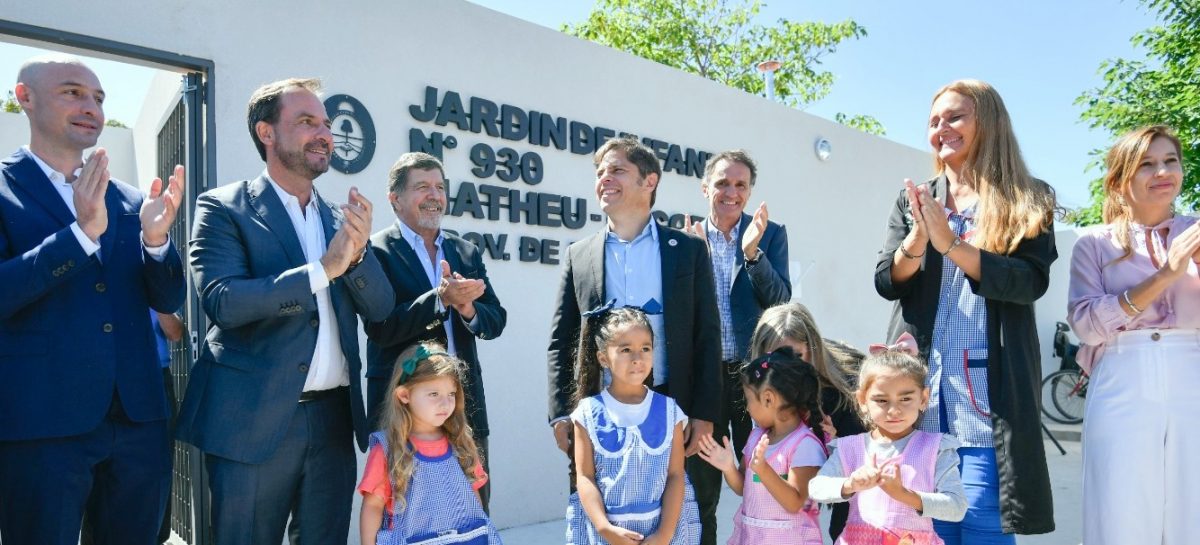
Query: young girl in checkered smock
{"type": "Point", "coordinates": [629, 447]}
{"type": "Point", "coordinates": [782, 454]}
{"type": "Point", "coordinates": [896, 478]}
{"type": "Point", "coordinates": [423, 473]}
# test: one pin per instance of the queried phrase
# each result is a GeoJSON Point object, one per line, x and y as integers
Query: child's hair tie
{"type": "Point", "coordinates": [601, 310]}
{"type": "Point", "coordinates": [410, 365]}
{"type": "Point", "coordinates": [652, 307]}
{"type": "Point", "coordinates": [762, 364]}
{"type": "Point", "coordinates": [905, 343]}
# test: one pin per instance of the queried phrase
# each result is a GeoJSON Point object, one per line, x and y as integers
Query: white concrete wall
{"type": "Point", "coordinates": [161, 98]}
{"type": "Point", "coordinates": [385, 53]}
{"type": "Point", "coordinates": [118, 142]}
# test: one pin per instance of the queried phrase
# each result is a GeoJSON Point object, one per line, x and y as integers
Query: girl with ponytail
{"type": "Point", "coordinates": [783, 452]}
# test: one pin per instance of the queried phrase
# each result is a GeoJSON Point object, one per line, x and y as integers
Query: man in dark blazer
{"type": "Point", "coordinates": [82, 260]}
{"type": "Point", "coordinates": [274, 400]}
{"type": "Point", "coordinates": [687, 336]}
{"type": "Point", "coordinates": [750, 268]}
{"type": "Point", "coordinates": [442, 291]}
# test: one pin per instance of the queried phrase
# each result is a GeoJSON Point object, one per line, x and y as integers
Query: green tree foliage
{"type": "Point", "coordinates": [1163, 88]}
{"type": "Point", "coordinates": [864, 123]}
{"type": "Point", "coordinates": [115, 123]}
{"type": "Point", "coordinates": [11, 105]}
{"type": "Point", "coordinates": [719, 40]}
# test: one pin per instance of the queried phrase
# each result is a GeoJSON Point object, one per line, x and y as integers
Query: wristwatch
{"type": "Point", "coordinates": [757, 257]}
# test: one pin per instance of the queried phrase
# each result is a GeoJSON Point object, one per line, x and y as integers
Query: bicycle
{"type": "Point", "coordinates": [1067, 387]}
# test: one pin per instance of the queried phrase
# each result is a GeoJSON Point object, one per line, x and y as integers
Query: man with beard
{"type": "Point", "coordinates": [274, 399]}
{"type": "Point", "coordinates": [442, 291]}
{"type": "Point", "coordinates": [83, 260]}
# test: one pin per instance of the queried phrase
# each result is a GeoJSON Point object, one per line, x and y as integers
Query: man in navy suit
{"type": "Point", "coordinates": [750, 267]}
{"type": "Point", "coordinates": [661, 270]}
{"type": "Point", "coordinates": [442, 291]}
{"type": "Point", "coordinates": [275, 398]}
{"type": "Point", "coordinates": [82, 260]}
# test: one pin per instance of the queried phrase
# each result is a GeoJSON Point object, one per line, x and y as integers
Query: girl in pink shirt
{"type": "Point", "coordinates": [1135, 304]}
{"type": "Point", "coordinates": [783, 397]}
{"type": "Point", "coordinates": [423, 474]}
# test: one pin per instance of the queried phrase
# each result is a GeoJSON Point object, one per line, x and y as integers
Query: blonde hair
{"type": "Point", "coordinates": [398, 419]}
{"type": "Point", "coordinates": [1013, 205]}
{"type": "Point", "coordinates": [834, 362]}
{"type": "Point", "coordinates": [1121, 166]}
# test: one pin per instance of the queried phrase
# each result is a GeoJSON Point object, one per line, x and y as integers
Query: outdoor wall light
{"type": "Point", "coordinates": [823, 149]}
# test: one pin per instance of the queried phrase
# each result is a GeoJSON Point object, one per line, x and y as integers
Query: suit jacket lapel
{"type": "Point", "coordinates": [739, 259]}
{"type": "Point", "coordinates": [331, 220]}
{"type": "Point", "coordinates": [592, 268]}
{"type": "Point", "coordinates": [268, 207]}
{"type": "Point", "coordinates": [29, 176]}
{"type": "Point", "coordinates": [450, 252]}
{"type": "Point", "coordinates": [668, 250]}
{"type": "Point", "coordinates": [408, 256]}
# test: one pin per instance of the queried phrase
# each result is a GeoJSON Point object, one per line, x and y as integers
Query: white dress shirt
{"type": "Point", "coordinates": [328, 368]}
{"type": "Point", "coordinates": [58, 180]}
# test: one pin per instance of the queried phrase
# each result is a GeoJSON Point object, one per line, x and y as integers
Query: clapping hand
{"type": "Point", "coordinates": [459, 292]}
{"type": "Point", "coordinates": [720, 457]}
{"type": "Point", "coordinates": [1185, 246]}
{"type": "Point", "coordinates": [696, 228]}
{"type": "Point", "coordinates": [890, 480]}
{"type": "Point", "coordinates": [930, 215]}
{"type": "Point", "coordinates": [863, 478]}
{"type": "Point", "coordinates": [159, 208]}
{"type": "Point", "coordinates": [758, 460]}
{"type": "Point", "coordinates": [350, 241]}
{"type": "Point", "coordinates": [829, 429]}
{"type": "Point", "coordinates": [88, 195]}
{"type": "Point", "coordinates": [754, 232]}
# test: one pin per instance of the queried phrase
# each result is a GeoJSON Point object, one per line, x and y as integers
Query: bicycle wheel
{"type": "Point", "coordinates": [1067, 388]}
{"type": "Point", "coordinates": [1048, 404]}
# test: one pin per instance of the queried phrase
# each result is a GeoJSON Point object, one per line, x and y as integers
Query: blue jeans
{"type": "Point", "coordinates": [980, 481]}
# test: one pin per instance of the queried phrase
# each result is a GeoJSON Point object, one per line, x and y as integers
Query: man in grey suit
{"type": "Point", "coordinates": [275, 399]}
{"type": "Point", "coordinates": [666, 273]}
{"type": "Point", "coordinates": [442, 292]}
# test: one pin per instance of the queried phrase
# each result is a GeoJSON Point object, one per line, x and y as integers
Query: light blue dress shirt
{"type": "Point", "coordinates": [633, 276]}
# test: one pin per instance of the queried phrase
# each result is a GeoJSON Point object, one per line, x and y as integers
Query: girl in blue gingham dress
{"type": "Point", "coordinates": [420, 485]}
{"type": "Point", "coordinates": [628, 452]}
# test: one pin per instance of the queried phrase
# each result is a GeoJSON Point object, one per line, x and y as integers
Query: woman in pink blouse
{"type": "Point", "coordinates": [1135, 305]}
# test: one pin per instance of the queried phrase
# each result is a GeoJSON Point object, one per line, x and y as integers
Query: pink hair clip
{"type": "Point", "coordinates": [905, 343]}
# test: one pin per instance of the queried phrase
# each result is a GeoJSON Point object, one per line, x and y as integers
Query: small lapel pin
{"type": "Point", "coordinates": [672, 242]}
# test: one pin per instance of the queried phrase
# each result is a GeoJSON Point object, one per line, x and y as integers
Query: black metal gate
{"type": "Point", "coordinates": [180, 143]}
{"type": "Point", "coordinates": [184, 139]}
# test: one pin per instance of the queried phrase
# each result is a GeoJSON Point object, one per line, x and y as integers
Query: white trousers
{"type": "Point", "coordinates": [1141, 441]}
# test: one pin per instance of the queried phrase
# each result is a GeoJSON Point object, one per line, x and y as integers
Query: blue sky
{"type": "Point", "coordinates": [1039, 54]}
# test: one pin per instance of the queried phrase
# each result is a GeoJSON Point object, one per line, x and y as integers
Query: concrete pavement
{"type": "Point", "coordinates": [1066, 475]}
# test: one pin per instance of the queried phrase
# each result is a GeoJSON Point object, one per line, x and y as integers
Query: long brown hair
{"type": "Point", "coordinates": [398, 419]}
{"type": "Point", "coordinates": [1121, 165]}
{"type": "Point", "coordinates": [1013, 205]}
{"type": "Point", "coordinates": [833, 361]}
